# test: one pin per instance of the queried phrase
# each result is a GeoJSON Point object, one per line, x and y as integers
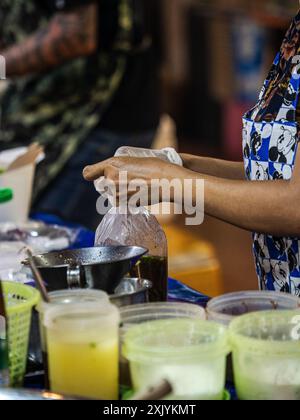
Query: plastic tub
{"type": "Point", "coordinates": [225, 308]}
{"type": "Point", "coordinates": [137, 314]}
{"type": "Point", "coordinates": [266, 355]}
{"type": "Point", "coordinates": [59, 298]}
{"type": "Point", "coordinates": [83, 352]}
{"type": "Point", "coordinates": [66, 297]}
{"type": "Point", "coordinates": [191, 354]}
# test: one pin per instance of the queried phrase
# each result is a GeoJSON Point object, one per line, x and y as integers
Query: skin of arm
{"type": "Point", "coordinates": [68, 35]}
{"type": "Point", "coordinates": [271, 207]}
{"type": "Point", "coordinates": [214, 167]}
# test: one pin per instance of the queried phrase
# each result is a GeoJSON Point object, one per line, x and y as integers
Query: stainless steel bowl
{"type": "Point", "coordinates": [99, 268]}
{"type": "Point", "coordinates": [131, 291]}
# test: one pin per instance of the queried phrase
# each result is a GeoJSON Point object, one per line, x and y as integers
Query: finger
{"type": "Point", "coordinates": [93, 172]}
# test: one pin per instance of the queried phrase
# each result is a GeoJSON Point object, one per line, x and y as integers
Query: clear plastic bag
{"type": "Point", "coordinates": [139, 228]}
{"type": "Point", "coordinates": [168, 154]}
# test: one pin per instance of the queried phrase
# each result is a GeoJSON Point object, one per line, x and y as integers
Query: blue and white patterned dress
{"type": "Point", "coordinates": [270, 143]}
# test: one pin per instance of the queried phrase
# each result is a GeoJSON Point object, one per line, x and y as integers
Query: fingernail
{"type": "Point", "coordinates": [86, 170]}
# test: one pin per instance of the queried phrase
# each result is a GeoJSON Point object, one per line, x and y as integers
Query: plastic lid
{"type": "Point", "coordinates": [6, 195]}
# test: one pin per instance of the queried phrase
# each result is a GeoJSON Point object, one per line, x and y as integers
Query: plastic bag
{"type": "Point", "coordinates": [139, 229]}
{"type": "Point", "coordinates": [168, 154]}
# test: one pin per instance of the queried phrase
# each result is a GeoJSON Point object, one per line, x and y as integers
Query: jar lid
{"type": "Point", "coordinates": [6, 195]}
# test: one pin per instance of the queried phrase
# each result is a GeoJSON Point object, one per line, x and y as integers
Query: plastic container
{"type": "Point", "coordinates": [83, 349]}
{"type": "Point", "coordinates": [19, 301]}
{"type": "Point", "coordinates": [225, 308]}
{"type": "Point", "coordinates": [21, 182]}
{"type": "Point", "coordinates": [63, 298]}
{"type": "Point", "coordinates": [137, 314]}
{"type": "Point", "coordinates": [266, 355]}
{"type": "Point", "coordinates": [191, 354]}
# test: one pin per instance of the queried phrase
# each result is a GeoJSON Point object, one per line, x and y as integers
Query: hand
{"type": "Point", "coordinates": [146, 169]}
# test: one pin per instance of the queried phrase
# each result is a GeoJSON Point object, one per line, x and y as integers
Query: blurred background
{"type": "Point", "coordinates": [216, 55]}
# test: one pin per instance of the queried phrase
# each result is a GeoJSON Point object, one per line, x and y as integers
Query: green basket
{"type": "Point", "coordinates": [19, 300]}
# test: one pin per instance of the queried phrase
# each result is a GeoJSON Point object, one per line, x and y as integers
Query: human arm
{"type": "Point", "coordinates": [271, 207]}
{"type": "Point", "coordinates": [69, 34]}
{"type": "Point", "coordinates": [214, 167]}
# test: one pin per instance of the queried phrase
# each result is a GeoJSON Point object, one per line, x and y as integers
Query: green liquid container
{"type": "Point", "coordinates": [266, 355]}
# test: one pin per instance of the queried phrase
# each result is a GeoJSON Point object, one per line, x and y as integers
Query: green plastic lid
{"type": "Point", "coordinates": [6, 195]}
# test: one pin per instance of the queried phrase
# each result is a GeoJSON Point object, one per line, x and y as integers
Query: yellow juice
{"type": "Point", "coordinates": [84, 369]}
{"type": "Point", "coordinates": [83, 350]}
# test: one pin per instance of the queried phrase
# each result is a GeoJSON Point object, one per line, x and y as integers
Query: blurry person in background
{"type": "Point", "coordinates": [82, 82]}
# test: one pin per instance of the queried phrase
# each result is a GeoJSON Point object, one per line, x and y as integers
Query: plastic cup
{"type": "Point", "coordinates": [266, 355]}
{"type": "Point", "coordinates": [136, 314]}
{"type": "Point", "coordinates": [83, 349]}
{"type": "Point", "coordinates": [225, 308]}
{"type": "Point", "coordinates": [190, 354]}
{"type": "Point", "coordinates": [62, 298]}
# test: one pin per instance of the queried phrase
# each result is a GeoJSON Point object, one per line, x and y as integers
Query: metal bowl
{"type": "Point", "coordinates": [131, 291]}
{"type": "Point", "coordinates": [99, 268]}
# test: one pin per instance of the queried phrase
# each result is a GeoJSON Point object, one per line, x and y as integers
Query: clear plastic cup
{"type": "Point", "coordinates": [190, 354]}
{"type": "Point", "coordinates": [137, 314]}
{"type": "Point", "coordinates": [62, 298]}
{"type": "Point", "coordinates": [266, 355]}
{"type": "Point", "coordinates": [225, 308]}
{"type": "Point", "coordinates": [83, 349]}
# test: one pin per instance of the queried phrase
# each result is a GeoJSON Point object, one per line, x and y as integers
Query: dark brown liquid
{"type": "Point", "coordinates": [154, 269]}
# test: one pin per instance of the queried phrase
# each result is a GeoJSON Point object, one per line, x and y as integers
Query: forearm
{"type": "Point", "coordinates": [67, 36]}
{"type": "Point", "coordinates": [264, 207]}
{"type": "Point", "coordinates": [214, 167]}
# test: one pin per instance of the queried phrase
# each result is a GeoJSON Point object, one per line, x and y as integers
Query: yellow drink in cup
{"type": "Point", "coordinates": [83, 349]}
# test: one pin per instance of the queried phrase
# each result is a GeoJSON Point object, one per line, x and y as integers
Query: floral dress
{"type": "Point", "coordinates": [270, 143]}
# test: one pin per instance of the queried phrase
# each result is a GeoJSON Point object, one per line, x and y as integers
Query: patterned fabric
{"type": "Point", "coordinates": [61, 107]}
{"type": "Point", "coordinates": [270, 143]}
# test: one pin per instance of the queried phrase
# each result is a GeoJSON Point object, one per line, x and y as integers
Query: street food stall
{"type": "Point", "coordinates": [110, 290]}
{"type": "Point", "coordinates": [103, 333]}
